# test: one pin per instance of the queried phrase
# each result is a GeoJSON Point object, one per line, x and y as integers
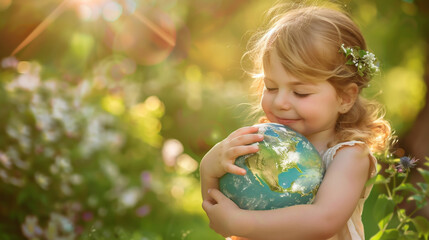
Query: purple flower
{"type": "Point", "coordinates": [87, 216]}
{"type": "Point", "coordinates": [143, 211]}
{"type": "Point", "coordinates": [405, 164]}
{"type": "Point", "coordinates": [146, 179]}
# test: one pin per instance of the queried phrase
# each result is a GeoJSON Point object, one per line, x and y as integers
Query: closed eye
{"type": "Point", "coordinates": [301, 95]}
{"type": "Point", "coordinates": [271, 89]}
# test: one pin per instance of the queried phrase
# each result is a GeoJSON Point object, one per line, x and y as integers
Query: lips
{"type": "Point", "coordinates": [286, 121]}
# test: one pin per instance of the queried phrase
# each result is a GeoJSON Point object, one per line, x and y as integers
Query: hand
{"type": "Point", "coordinates": [221, 158]}
{"type": "Point", "coordinates": [222, 212]}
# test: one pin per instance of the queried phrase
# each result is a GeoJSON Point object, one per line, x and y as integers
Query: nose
{"type": "Point", "coordinates": [282, 101]}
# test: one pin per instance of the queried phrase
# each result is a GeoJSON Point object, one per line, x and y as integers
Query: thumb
{"type": "Point", "coordinates": [217, 195]}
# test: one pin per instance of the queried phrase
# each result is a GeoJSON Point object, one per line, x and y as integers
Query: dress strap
{"type": "Point", "coordinates": [352, 230]}
{"type": "Point", "coordinates": [329, 154]}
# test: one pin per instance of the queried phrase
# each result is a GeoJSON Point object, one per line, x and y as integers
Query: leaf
{"type": "Point", "coordinates": [402, 216]}
{"type": "Point", "coordinates": [424, 173]}
{"type": "Point", "coordinates": [406, 187]}
{"type": "Point", "coordinates": [383, 206]}
{"type": "Point", "coordinates": [421, 204]}
{"type": "Point", "coordinates": [423, 187]}
{"type": "Point", "coordinates": [406, 226]}
{"type": "Point", "coordinates": [397, 199]}
{"type": "Point", "coordinates": [349, 51]}
{"type": "Point", "coordinates": [391, 170]}
{"type": "Point", "coordinates": [420, 200]}
{"type": "Point", "coordinates": [402, 174]}
{"type": "Point", "coordinates": [377, 236]}
{"type": "Point", "coordinates": [385, 221]}
{"type": "Point", "coordinates": [22, 197]}
{"type": "Point", "coordinates": [410, 235]}
{"type": "Point", "coordinates": [377, 179]}
{"type": "Point", "coordinates": [380, 179]}
{"type": "Point", "coordinates": [422, 225]}
{"type": "Point", "coordinates": [389, 234]}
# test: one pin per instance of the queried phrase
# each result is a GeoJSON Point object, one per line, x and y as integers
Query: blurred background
{"type": "Point", "coordinates": [107, 107]}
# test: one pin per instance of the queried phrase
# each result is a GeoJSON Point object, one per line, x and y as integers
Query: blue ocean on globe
{"type": "Point", "coordinates": [287, 170]}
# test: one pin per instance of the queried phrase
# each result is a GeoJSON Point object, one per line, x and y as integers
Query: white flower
{"type": "Point", "coordinates": [342, 47]}
{"type": "Point", "coordinates": [42, 180]}
{"type": "Point", "coordinates": [30, 228]}
{"type": "Point", "coordinates": [369, 58]}
{"type": "Point", "coordinates": [364, 64]}
{"type": "Point", "coordinates": [130, 197]}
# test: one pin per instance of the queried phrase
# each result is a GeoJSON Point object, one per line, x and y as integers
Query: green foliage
{"type": "Point", "coordinates": [393, 221]}
{"type": "Point", "coordinates": [90, 107]}
{"type": "Point", "coordinates": [365, 61]}
{"type": "Point", "coordinates": [77, 160]}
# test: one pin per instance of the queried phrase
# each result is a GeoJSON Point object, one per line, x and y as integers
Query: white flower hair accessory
{"type": "Point", "coordinates": [365, 61]}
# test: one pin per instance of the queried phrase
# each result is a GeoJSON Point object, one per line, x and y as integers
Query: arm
{"type": "Point", "coordinates": [335, 202]}
{"type": "Point", "coordinates": [221, 158]}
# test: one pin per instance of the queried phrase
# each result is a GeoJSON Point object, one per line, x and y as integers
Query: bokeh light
{"type": "Point", "coordinates": [9, 62]}
{"type": "Point", "coordinates": [145, 118]}
{"type": "Point", "coordinates": [91, 10]}
{"type": "Point", "coordinates": [186, 164]}
{"type": "Point", "coordinates": [170, 151]}
{"type": "Point", "coordinates": [23, 67]}
{"type": "Point", "coordinates": [113, 105]}
{"type": "Point", "coordinates": [112, 11]}
{"type": "Point", "coordinates": [88, 12]}
{"type": "Point", "coordinates": [148, 36]}
{"type": "Point", "coordinates": [4, 4]}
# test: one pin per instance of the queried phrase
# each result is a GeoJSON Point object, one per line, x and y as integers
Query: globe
{"type": "Point", "coordinates": [287, 170]}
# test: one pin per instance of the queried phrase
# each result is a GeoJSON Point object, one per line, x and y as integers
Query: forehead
{"type": "Point", "coordinates": [274, 70]}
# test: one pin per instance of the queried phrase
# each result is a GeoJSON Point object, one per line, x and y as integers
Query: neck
{"type": "Point", "coordinates": [320, 140]}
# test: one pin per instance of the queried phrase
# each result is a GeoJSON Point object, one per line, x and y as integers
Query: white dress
{"type": "Point", "coordinates": [353, 230]}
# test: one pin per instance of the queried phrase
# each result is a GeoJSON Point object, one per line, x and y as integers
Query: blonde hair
{"type": "Point", "coordinates": [307, 40]}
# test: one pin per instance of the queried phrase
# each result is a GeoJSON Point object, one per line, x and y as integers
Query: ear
{"type": "Point", "coordinates": [348, 97]}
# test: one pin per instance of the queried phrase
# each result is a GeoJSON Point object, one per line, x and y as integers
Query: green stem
{"type": "Point", "coordinates": [412, 213]}
{"type": "Point", "coordinates": [402, 182]}
{"type": "Point", "coordinates": [408, 217]}
{"type": "Point", "coordinates": [388, 190]}
{"type": "Point", "coordinates": [394, 184]}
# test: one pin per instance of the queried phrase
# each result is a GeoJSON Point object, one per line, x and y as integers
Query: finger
{"type": "Point", "coordinates": [217, 195]}
{"type": "Point", "coordinates": [238, 151]}
{"type": "Point", "coordinates": [244, 130]}
{"type": "Point", "coordinates": [234, 169]}
{"type": "Point", "coordinates": [246, 139]}
{"type": "Point", "coordinates": [206, 205]}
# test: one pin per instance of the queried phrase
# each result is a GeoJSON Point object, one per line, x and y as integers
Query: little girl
{"type": "Point", "coordinates": [310, 70]}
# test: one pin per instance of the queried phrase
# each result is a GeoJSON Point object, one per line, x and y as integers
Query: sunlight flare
{"type": "Point", "coordinates": [42, 26]}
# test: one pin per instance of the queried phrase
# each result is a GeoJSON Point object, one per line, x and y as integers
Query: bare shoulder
{"type": "Point", "coordinates": [351, 164]}
{"type": "Point", "coordinates": [358, 156]}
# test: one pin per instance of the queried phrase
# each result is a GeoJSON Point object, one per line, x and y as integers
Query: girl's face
{"type": "Point", "coordinates": [311, 109]}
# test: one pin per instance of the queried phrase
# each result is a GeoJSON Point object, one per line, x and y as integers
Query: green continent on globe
{"type": "Point", "coordinates": [270, 161]}
{"type": "Point", "coordinates": [287, 170]}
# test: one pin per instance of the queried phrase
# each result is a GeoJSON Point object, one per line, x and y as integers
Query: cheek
{"type": "Point", "coordinates": [311, 107]}
{"type": "Point", "coordinates": [320, 107]}
{"type": "Point", "coordinates": [265, 103]}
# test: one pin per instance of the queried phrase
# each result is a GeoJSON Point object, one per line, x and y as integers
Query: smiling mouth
{"type": "Point", "coordinates": [287, 121]}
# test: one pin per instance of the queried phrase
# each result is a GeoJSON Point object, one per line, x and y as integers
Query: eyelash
{"type": "Point", "coordinates": [271, 89]}
{"type": "Point", "coordinates": [300, 95]}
